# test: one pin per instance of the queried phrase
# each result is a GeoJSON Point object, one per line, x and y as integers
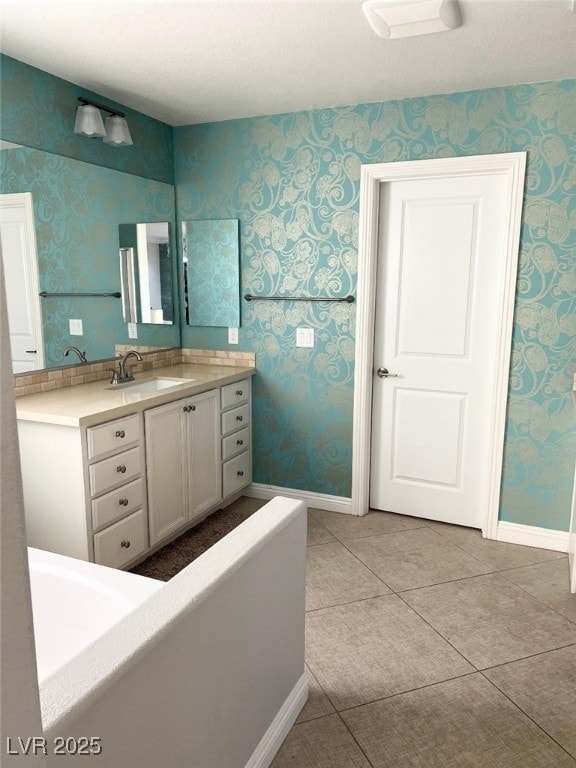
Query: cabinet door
{"type": "Point", "coordinates": [167, 467]}
{"type": "Point", "coordinates": [203, 448]}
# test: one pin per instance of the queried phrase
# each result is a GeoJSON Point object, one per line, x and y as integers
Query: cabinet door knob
{"type": "Point", "coordinates": [121, 468]}
{"type": "Point", "coordinates": [239, 393]}
{"type": "Point", "coordinates": [239, 442]}
{"type": "Point", "coordinates": [123, 502]}
{"type": "Point", "coordinates": [238, 418]}
{"type": "Point", "coordinates": [125, 544]}
{"type": "Point", "coordinates": [120, 433]}
{"type": "Point", "coordinates": [240, 473]}
{"type": "Point", "coordinates": [192, 407]}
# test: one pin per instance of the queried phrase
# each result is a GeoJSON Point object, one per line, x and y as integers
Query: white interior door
{"type": "Point", "coordinates": [18, 246]}
{"type": "Point", "coordinates": [441, 243]}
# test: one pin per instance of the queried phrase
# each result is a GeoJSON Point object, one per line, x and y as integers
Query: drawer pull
{"type": "Point", "coordinates": [239, 418]}
{"type": "Point", "coordinates": [239, 442]}
{"type": "Point", "coordinates": [120, 433]}
{"type": "Point", "coordinates": [121, 468]}
{"type": "Point", "coordinates": [125, 544]}
{"type": "Point", "coordinates": [123, 502]}
{"type": "Point", "coordinates": [189, 408]}
{"type": "Point", "coordinates": [240, 473]}
{"type": "Point", "coordinates": [239, 393]}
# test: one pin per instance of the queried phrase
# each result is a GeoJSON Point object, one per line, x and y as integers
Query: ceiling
{"type": "Point", "coordinates": [196, 61]}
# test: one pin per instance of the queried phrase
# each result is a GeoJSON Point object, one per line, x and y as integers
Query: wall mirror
{"type": "Point", "coordinates": [211, 272]}
{"type": "Point", "coordinates": [77, 210]}
{"type": "Point", "coordinates": [146, 273]}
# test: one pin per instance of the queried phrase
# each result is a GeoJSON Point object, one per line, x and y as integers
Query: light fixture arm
{"type": "Point", "coordinates": [97, 104]}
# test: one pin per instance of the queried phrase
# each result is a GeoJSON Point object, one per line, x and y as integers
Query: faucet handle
{"type": "Point", "coordinates": [114, 372]}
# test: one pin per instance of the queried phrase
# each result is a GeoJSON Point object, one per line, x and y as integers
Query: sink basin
{"type": "Point", "coordinates": [150, 385]}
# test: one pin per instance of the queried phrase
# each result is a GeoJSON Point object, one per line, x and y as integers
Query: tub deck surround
{"type": "Point", "coordinates": [214, 685]}
{"type": "Point", "coordinates": [87, 404]}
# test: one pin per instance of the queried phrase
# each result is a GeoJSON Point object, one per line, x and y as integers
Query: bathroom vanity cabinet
{"type": "Point", "coordinates": [112, 492]}
{"type": "Point", "coordinates": [182, 462]}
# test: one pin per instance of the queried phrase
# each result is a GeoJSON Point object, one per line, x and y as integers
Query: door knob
{"type": "Point", "coordinates": [384, 373]}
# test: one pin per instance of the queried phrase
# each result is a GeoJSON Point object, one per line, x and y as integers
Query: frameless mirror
{"type": "Point", "coordinates": [77, 208]}
{"type": "Point", "coordinates": [211, 272]}
{"type": "Point", "coordinates": [146, 273]}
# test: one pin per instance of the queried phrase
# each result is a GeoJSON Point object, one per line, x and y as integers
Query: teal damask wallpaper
{"type": "Point", "coordinates": [293, 180]}
{"type": "Point", "coordinates": [39, 110]}
{"type": "Point", "coordinates": [77, 210]}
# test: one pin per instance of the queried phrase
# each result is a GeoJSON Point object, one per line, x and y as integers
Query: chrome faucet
{"type": "Point", "coordinates": [124, 373]}
{"type": "Point", "coordinates": [81, 355]}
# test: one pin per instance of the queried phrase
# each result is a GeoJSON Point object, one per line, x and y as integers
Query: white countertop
{"type": "Point", "coordinates": [88, 404]}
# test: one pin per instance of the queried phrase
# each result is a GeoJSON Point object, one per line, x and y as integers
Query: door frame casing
{"type": "Point", "coordinates": [25, 201]}
{"type": "Point", "coordinates": [512, 166]}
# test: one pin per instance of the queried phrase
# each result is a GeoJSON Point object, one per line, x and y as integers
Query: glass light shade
{"type": "Point", "coordinates": [117, 131]}
{"type": "Point", "coordinates": [89, 122]}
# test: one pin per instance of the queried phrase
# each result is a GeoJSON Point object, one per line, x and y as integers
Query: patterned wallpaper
{"type": "Point", "coordinates": [39, 110]}
{"type": "Point", "coordinates": [293, 181]}
{"type": "Point", "coordinates": [77, 210]}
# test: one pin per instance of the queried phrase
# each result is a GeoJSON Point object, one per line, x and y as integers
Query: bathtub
{"type": "Point", "coordinates": [206, 670]}
{"type": "Point", "coordinates": [75, 602]}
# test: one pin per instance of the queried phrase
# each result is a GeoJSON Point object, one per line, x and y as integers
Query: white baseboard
{"type": "Point", "coordinates": [272, 740]}
{"type": "Point", "coordinates": [531, 536]}
{"type": "Point", "coordinates": [314, 500]}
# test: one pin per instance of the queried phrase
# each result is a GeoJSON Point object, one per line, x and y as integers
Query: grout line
{"type": "Point", "coordinates": [531, 656]}
{"type": "Point", "coordinates": [409, 690]}
{"type": "Point", "coordinates": [532, 720]}
{"type": "Point", "coordinates": [370, 763]}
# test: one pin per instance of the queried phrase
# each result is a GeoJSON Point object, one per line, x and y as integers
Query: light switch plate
{"type": "Point", "coordinates": [232, 335]}
{"type": "Point", "coordinates": [76, 328]}
{"type": "Point", "coordinates": [305, 337]}
{"type": "Point", "coordinates": [132, 331]}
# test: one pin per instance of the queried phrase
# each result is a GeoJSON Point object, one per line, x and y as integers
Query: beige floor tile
{"type": "Point", "coordinates": [544, 687]}
{"type": "Point", "coordinates": [491, 621]}
{"type": "Point", "coordinates": [334, 576]}
{"type": "Point", "coordinates": [549, 582]}
{"type": "Point", "coordinates": [322, 743]}
{"type": "Point", "coordinates": [415, 558]}
{"type": "Point", "coordinates": [499, 555]}
{"type": "Point", "coordinates": [463, 723]}
{"type": "Point", "coordinates": [374, 648]}
{"type": "Point", "coordinates": [346, 527]}
{"type": "Point", "coordinates": [317, 534]}
{"type": "Point", "coordinates": [318, 704]}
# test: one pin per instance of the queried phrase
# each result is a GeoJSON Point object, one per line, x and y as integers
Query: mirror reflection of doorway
{"type": "Point", "coordinates": [18, 248]}
{"type": "Point", "coordinates": [146, 273]}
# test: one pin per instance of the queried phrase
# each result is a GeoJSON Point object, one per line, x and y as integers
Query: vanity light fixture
{"type": "Point", "coordinates": [89, 123]}
{"type": "Point", "coordinates": [407, 18]}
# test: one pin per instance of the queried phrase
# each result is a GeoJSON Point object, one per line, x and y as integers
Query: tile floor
{"type": "Point", "coordinates": [430, 647]}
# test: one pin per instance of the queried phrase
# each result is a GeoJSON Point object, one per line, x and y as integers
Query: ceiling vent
{"type": "Point", "coordinates": [407, 18]}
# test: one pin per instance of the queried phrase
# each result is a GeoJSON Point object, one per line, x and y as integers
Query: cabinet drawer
{"type": "Point", "coordinates": [115, 471]}
{"type": "Point", "coordinates": [235, 419]}
{"type": "Point", "coordinates": [235, 443]}
{"type": "Point", "coordinates": [234, 394]}
{"type": "Point", "coordinates": [236, 473]}
{"type": "Point", "coordinates": [117, 504]}
{"type": "Point", "coordinates": [112, 436]}
{"type": "Point", "coordinates": [119, 543]}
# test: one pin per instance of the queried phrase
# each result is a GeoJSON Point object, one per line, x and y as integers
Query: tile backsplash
{"type": "Point", "coordinates": [34, 382]}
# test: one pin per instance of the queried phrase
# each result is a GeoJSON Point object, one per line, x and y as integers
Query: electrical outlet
{"type": "Point", "coordinates": [305, 337]}
{"type": "Point", "coordinates": [232, 335]}
{"type": "Point", "coordinates": [132, 331]}
{"type": "Point", "coordinates": [76, 328]}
